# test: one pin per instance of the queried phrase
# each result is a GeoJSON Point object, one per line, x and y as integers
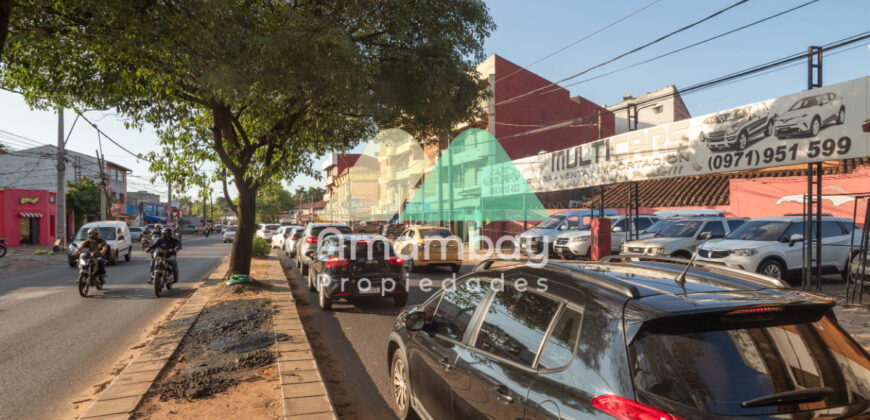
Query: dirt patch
{"type": "Point", "coordinates": [225, 364]}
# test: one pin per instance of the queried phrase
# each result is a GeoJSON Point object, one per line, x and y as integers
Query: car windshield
{"type": "Point", "coordinates": [106, 233]}
{"type": "Point", "coordinates": [435, 233]}
{"type": "Point", "coordinates": [550, 223]}
{"type": "Point", "coordinates": [231, 229]}
{"type": "Point", "coordinates": [717, 371]}
{"type": "Point", "coordinates": [365, 248]}
{"type": "Point", "coordinates": [658, 226]}
{"type": "Point", "coordinates": [271, 227]}
{"type": "Point", "coordinates": [759, 230]}
{"type": "Point", "coordinates": [315, 231]}
{"type": "Point", "coordinates": [680, 229]}
{"type": "Point", "coordinates": [805, 103]}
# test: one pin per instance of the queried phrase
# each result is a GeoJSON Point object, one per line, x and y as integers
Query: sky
{"type": "Point", "coordinates": [527, 31]}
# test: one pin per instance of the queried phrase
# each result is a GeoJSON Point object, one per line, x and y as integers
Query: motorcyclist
{"type": "Point", "coordinates": [167, 242]}
{"type": "Point", "coordinates": [97, 247]}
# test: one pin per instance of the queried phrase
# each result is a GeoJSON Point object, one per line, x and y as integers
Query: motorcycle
{"type": "Point", "coordinates": [146, 241]}
{"type": "Point", "coordinates": [2, 247]}
{"type": "Point", "coordinates": [88, 276]}
{"type": "Point", "coordinates": [206, 232]}
{"type": "Point", "coordinates": [162, 275]}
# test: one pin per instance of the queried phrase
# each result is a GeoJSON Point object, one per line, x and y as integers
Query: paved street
{"type": "Point", "coordinates": [55, 344]}
{"type": "Point", "coordinates": [350, 344]}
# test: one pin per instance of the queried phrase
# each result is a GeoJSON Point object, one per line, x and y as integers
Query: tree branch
{"type": "Point", "coordinates": [227, 195]}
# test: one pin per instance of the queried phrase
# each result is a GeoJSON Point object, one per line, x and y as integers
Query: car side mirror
{"type": "Point", "coordinates": [617, 229]}
{"type": "Point", "coordinates": [705, 235]}
{"type": "Point", "coordinates": [415, 321]}
{"type": "Point", "coordinates": [796, 237]}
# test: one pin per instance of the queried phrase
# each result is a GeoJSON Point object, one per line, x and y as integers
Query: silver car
{"type": "Point", "coordinates": [680, 238]}
{"type": "Point", "coordinates": [809, 115]}
{"type": "Point", "coordinates": [229, 234]}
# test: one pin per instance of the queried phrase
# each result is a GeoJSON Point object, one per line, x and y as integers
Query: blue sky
{"type": "Point", "coordinates": [529, 30]}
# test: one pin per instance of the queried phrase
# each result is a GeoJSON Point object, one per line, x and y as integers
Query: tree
{"type": "Point", "coordinates": [258, 87]}
{"type": "Point", "coordinates": [272, 199]}
{"type": "Point", "coordinates": [5, 12]}
{"type": "Point", "coordinates": [83, 198]}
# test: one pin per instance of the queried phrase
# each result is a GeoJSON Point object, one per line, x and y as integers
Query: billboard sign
{"type": "Point", "coordinates": [810, 126]}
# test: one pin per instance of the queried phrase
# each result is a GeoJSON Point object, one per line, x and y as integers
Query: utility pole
{"type": "Point", "coordinates": [169, 195]}
{"type": "Point", "coordinates": [101, 164]}
{"type": "Point", "coordinates": [60, 228]}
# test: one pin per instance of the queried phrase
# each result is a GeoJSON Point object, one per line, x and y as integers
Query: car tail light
{"type": "Point", "coordinates": [265, 230]}
{"type": "Point", "coordinates": [625, 409]}
{"type": "Point", "coordinates": [310, 240]}
{"type": "Point", "coordinates": [336, 262]}
{"type": "Point", "coordinates": [756, 310]}
{"type": "Point", "coordinates": [285, 236]}
{"type": "Point", "coordinates": [395, 261]}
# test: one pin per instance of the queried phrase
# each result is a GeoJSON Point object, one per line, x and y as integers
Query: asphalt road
{"type": "Point", "coordinates": [350, 343]}
{"type": "Point", "coordinates": [55, 344]}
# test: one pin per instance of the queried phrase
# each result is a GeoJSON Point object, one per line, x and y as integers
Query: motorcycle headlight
{"type": "Point", "coordinates": [744, 252]}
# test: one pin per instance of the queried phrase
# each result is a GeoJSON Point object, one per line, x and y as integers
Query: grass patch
{"type": "Point", "coordinates": [40, 252]}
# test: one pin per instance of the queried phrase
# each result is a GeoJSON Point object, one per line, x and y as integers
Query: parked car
{"type": "Point", "coordinates": [292, 240]}
{"type": "Point", "coordinates": [774, 246]}
{"type": "Point", "coordinates": [277, 240]}
{"type": "Point", "coordinates": [135, 232]}
{"type": "Point", "coordinates": [357, 266]}
{"type": "Point", "coordinates": [434, 245]}
{"type": "Point", "coordinates": [578, 243]}
{"type": "Point", "coordinates": [189, 229]}
{"type": "Point", "coordinates": [809, 115]}
{"type": "Point", "coordinates": [681, 237]}
{"type": "Point", "coordinates": [666, 216]}
{"type": "Point", "coordinates": [311, 235]}
{"type": "Point", "coordinates": [229, 234]}
{"type": "Point", "coordinates": [534, 239]}
{"type": "Point", "coordinates": [736, 128]}
{"type": "Point", "coordinates": [265, 230]}
{"type": "Point", "coordinates": [116, 234]}
{"type": "Point", "coordinates": [624, 340]}
{"type": "Point", "coordinates": [218, 228]}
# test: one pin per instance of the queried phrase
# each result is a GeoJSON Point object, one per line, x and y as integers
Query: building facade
{"type": "Point", "coordinates": [28, 216]}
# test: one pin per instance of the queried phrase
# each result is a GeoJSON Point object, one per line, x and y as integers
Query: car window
{"type": "Point", "coordinates": [644, 222]}
{"type": "Point", "coordinates": [680, 229]}
{"type": "Point", "coordinates": [715, 228]}
{"type": "Point", "coordinates": [559, 349]}
{"type": "Point", "coordinates": [658, 226]}
{"type": "Point", "coordinates": [515, 325]}
{"type": "Point", "coordinates": [571, 223]}
{"type": "Point", "coordinates": [332, 229]}
{"type": "Point", "coordinates": [797, 227]}
{"type": "Point", "coordinates": [620, 224]}
{"type": "Point", "coordinates": [272, 227]}
{"type": "Point", "coordinates": [231, 229]}
{"type": "Point", "coordinates": [716, 371]}
{"type": "Point", "coordinates": [456, 308]}
{"type": "Point", "coordinates": [435, 233]}
{"type": "Point", "coordinates": [734, 224]}
{"type": "Point", "coordinates": [848, 227]}
{"type": "Point", "coordinates": [106, 234]}
{"type": "Point", "coordinates": [831, 228]}
{"type": "Point", "coordinates": [378, 249]}
{"type": "Point", "coordinates": [550, 223]}
{"type": "Point", "coordinates": [759, 230]}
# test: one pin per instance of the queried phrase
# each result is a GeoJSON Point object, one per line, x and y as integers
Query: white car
{"type": "Point", "coordinates": [229, 234]}
{"type": "Point", "coordinates": [116, 234]}
{"type": "Point", "coordinates": [681, 237]}
{"type": "Point", "coordinates": [293, 235]}
{"type": "Point", "coordinates": [809, 115]}
{"type": "Point", "coordinates": [266, 230]}
{"type": "Point", "coordinates": [774, 246]}
{"type": "Point", "coordinates": [278, 237]}
{"type": "Point", "coordinates": [577, 243]}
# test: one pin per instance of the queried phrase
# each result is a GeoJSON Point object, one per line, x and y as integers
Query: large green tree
{"type": "Point", "coordinates": [258, 87]}
{"type": "Point", "coordinates": [83, 198]}
{"type": "Point", "coordinates": [272, 199]}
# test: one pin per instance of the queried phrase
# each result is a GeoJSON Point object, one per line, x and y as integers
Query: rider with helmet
{"type": "Point", "coordinates": [98, 247]}
{"type": "Point", "coordinates": [167, 242]}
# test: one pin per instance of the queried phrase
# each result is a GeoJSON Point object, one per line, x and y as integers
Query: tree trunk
{"type": "Point", "coordinates": [240, 257]}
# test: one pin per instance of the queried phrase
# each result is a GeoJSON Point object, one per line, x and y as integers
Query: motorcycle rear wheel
{"type": "Point", "coordinates": [2, 250]}
{"type": "Point", "coordinates": [158, 283]}
{"type": "Point", "coordinates": [84, 284]}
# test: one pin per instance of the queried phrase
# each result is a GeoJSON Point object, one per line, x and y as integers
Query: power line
{"type": "Point", "coordinates": [632, 51]}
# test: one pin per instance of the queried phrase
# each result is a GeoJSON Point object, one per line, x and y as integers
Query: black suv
{"type": "Point", "coordinates": [357, 266]}
{"type": "Point", "coordinates": [626, 338]}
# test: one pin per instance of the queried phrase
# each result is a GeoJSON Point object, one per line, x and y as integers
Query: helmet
{"type": "Point", "coordinates": [167, 233]}
{"type": "Point", "coordinates": [93, 233]}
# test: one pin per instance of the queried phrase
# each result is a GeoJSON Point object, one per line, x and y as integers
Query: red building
{"type": "Point", "coordinates": [28, 217]}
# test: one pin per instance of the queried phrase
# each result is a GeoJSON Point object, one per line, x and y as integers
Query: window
{"type": "Point", "coordinates": [848, 227]}
{"type": "Point", "coordinates": [831, 228]}
{"type": "Point", "coordinates": [796, 228]}
{"type": "Point", "coordinates": [644, 222]}
{"type": "Point", "coordinates": [559, 349]}
{"type": "Point", "coordinates": [620, 224]}
{"type": "Point", "coordinates": [456, 307]}
{"type": "Point", "coordinates": [571, 223]}
{"type": "Point", "coordinates": [715, 228]}
{"type": "Point", "coordinates": [515, 325]}
{"type": "Point", "coordinates": [734, 224]}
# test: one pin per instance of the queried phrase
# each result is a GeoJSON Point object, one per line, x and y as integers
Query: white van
{"type": "Point", "coordinates": [117, 237]}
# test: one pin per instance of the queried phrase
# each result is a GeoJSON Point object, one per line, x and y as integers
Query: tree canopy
{"type": "Point", "coordinates": [258, 87]}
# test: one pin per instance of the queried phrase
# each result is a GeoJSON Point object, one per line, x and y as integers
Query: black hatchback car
{"type": "Point", "coordinates": [633, 339]}
{"type": "Point", "coordinates": [357, 266]}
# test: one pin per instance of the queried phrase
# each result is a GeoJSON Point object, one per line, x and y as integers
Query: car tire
{"type": "Point", "coordinates": [129, 254]}
{"type": "Point", "coordinates": [409, 265]}
{"type": "Point", "coordinates": [768, 130]}
{"type": "Point", "coordinates": [841, 116]}
{"type": "Point", "coordinates": [114, 259]}
{"type": "Point", "coordinates": [815, 126]}
{"type": "Point", "coordinates": [682, 254]}
{"type": "Point", "coordinates": [324, 302]}
{"type": "Point", "coordinates": [742, 141]}
{"type": "Point", "coordinates": [771, 268]}
{"type": "Point", "coordinates": [401, 386]}
{"type": "Point", "coordinates": [311, 286]}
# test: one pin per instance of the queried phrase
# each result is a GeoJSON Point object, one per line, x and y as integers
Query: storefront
{"type": "Point", "coordinates": [28, 217]}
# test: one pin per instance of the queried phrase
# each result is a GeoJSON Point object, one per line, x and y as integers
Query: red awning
{"type": "Point", "coordinates": [25, 214]}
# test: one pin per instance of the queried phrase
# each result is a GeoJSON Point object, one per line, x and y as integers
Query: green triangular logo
{"type": "Point", "coordinates": [474, 180]}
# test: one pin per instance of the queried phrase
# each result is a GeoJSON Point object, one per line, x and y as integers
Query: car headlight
{"type": "Point", "coordinates": [744, 252]}
{"type": "Point", "coordinates": [655, 251]}
{"type": "Point", "coordinates": [580, 239]}
{"type": "Point", "coordinates": [731, 130]}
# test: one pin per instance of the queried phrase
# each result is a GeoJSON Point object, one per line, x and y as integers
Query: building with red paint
{"type": "Point", "coordinates": [28, 217]}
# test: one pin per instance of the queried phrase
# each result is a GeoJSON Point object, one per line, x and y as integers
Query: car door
{"type": "Point", "coordinates": [617, 235]}
{"type": "Point", "coordinates": [793, 252]}
{"type": "Point", "coordinates": [432, 355]}
{"type": "Point", "coordinates": [826, 112]}
{"type": "Point", "coordinates": [496, 370]}
{"type": "Point", "coordinates": [835, 246]}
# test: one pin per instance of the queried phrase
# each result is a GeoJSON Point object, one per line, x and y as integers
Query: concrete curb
{"type": "Point", "coordinates": [302, 388]}
{"type": "Point", "coordinates": [123, 395]}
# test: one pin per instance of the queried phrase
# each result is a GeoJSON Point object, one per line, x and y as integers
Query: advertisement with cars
{"type": "Point", "coordinates": [810, 126]}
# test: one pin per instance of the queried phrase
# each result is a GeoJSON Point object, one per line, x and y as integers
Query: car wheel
{"type": "Point", "coordinates": [742, 141]}
{"type": "Point", "coordinates": [409, 265]}
{"type": "Point", "coordinates": [768, 131]}
{"type": "Point", "coordinates": [71, 261]}
{"type": "Point", "coordinates": [114, 258]}
{"type": "Point", "coordinates": [129, 254]}
{"type": "Point", "coordinates": [815, 126]}
{"type": "Point", "coordinates": [401, 386]}
{"type": "Point", "coordinates": [771, 268]}
{"type": "Point", "coordinates": [312, 287]}
{"type": "Point", "coordinates": [455, 267]}
{"type": "Point", "coordinates": [841, 116]}
{"type": "Point", "coordinates": [325, 302]}
{"type": "Point", "coordinates": [681, 254]}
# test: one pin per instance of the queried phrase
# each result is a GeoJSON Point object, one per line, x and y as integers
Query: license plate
{"type": "Point", "coordinates": [372, 290]}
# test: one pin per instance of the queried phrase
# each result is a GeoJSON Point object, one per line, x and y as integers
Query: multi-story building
{"type": "Point", "coordinates": [658, 107]}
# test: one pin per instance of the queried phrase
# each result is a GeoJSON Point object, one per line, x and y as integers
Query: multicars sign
{"type": "Point", "coordinates": [810, 126]}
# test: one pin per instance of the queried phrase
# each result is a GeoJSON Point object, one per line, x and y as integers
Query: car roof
{"type": "Point", "coordinates": [319, 224]}
{"type": "Point", "coordinates": [584, 212]}
{"type": "Point", "coordinates": [105, 223]}
{"type": "Point", "coordinates": [798, 219]}
{"type": "Point", "coordinates": [364, 237]}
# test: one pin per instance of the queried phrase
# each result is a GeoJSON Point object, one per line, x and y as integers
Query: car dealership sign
{"type": "Point", "coordinates": [810, 126]}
